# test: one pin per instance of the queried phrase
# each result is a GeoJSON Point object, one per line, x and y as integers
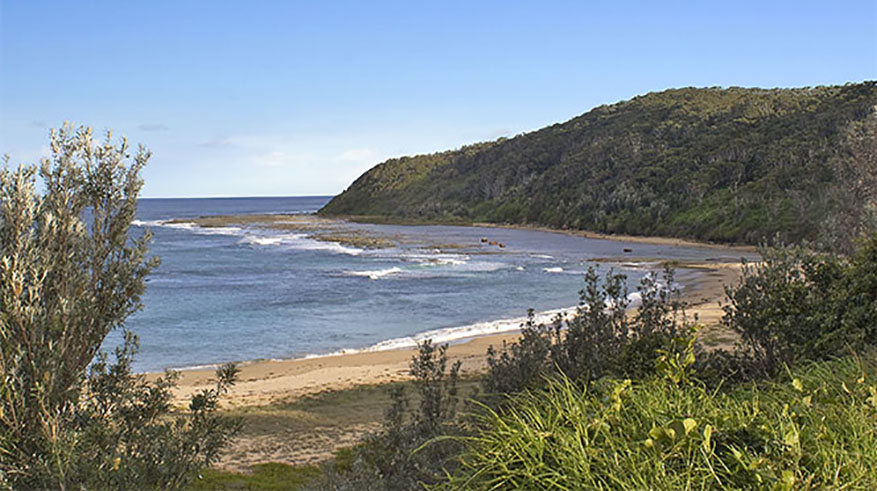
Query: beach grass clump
{"type": "Point", "coordinates": [815, 428]}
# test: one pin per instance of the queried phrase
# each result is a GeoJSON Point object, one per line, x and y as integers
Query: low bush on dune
{"type": "Point", "coordinates": [410, 450]}
{"type": "Point", "coordinates": [601, 338]}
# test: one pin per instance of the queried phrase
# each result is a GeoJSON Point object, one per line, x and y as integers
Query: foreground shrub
{"type": "Point", "coordinates": [801, 305]}
{"type": "Point", "coordinates": [814, 429]}
{"type": "Point", "coordinates": [404, 453]}
{"type": "Point", "coordinates": [69, 274]}
{"type": "Point", "coordinates": [601, 338]}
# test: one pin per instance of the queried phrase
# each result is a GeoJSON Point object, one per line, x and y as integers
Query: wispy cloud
{"type": "Point", "coordinates": [152, 127]}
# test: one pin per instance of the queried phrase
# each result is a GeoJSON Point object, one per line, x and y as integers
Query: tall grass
{"type": "Point", "coordinates": [815, 428]}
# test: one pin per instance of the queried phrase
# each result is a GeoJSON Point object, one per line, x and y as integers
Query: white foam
{"type": "Point", "coordinates": [304, 243]}
{"type": "Point", "coordinates": [308, 244]}
{"type": "Point", "coordinates": [300, 242]}
{"type": "Point", "coordinates": [376, 274]}
{"type": "Point", "coordinates": [542, 256]}
{"type": "Point", "coordinates": [437, 259]}
{"type": "Point", "coordinates": [292, 241]}
{"type": "Point", "coordinates": [451, 334]}
{"type": "Point", "coordinates": [556, 269]}
{"type": "Point", "coordinates": [634, 299]}
{"type": "Point", "coordinates": [639, 266]}
{"type": "Point", "coordinates": [147, 223]}
{"type": "Point", "coordinates": [262, 241]}
{"type": "Point", "coordinates": [484, 267]}
{"type": "Point", "coordinates": [191, 226]}
{"type": "Point", "coordinates": [217, 230]}
{"type": "Point", "coordinates": [164, 223]}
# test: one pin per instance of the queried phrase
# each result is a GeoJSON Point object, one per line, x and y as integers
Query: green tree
{"type": "Point", "coordinates": [854, 195]}
{"type": "Point", "coordinates": [69, 274]}
{"type": "Point", "coordinates": [799, 305]}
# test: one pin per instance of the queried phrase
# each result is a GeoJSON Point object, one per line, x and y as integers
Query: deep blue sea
{"type": "Point", "coordinates": [233, 294]}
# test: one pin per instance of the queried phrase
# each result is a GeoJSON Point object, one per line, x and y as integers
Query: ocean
{"type": "Point", "coordinates": [244, 293]}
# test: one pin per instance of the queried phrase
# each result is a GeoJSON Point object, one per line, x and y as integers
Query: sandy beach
{"type": "Point", "coordinates": [269, 381]}
{"type": "Point", "coordinates": [269, 394]}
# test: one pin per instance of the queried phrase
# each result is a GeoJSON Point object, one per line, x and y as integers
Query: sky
{"type": "Point", "coordinates": [284, 98]}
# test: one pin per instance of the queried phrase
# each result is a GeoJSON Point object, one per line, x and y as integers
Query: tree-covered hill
{"type": "Point", "coordinates": [717, 164]}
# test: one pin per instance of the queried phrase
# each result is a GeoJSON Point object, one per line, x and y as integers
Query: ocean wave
{"type": "Point", "coordinates": [442, 263]}
{"type": "Point", "coordinates": [436, 259]}
{"type": "Point", "coordinates": [299, 242]}
{"type": "Point", "coordinates": [469, 331]}
{"type": "Point", "coordinates": [308, 244]}
{"type": "Point", "coordinates": [261, 240]}
{"type": "Point", "coordinates": [555, 269]}
{"type": "Point", "coordinates": [376, 274]}
{"type": "Point", "coordinates": [190, 226]}
{"type": "Point", "coordinates": [452, 334]}
{"type": "Point", "coordinates": [218, 230]}
{"type": "Point", "coordinates": [292, 241]}
{"type": "Point", "coordinates": [639, 266]}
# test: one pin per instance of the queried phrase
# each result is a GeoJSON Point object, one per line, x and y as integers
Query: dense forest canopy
{"type": "Point", "coordinates": [731, 165]}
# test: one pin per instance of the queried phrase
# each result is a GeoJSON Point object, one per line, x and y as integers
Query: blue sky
{"type": "Point", "coordinates": [258, 98]}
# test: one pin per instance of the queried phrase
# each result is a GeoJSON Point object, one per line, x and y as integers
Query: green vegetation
{"type": "Point", "coordinates": [268, 477]}
{"type": "Point", "coordinates": [731, 165]}
{"type": "Point", "coordinates": [599, 340]}
{"type": "Point", "coordinates": [800, 305]}
{"type": "Point", "coordinates": [609, 400]}
{"type": "Point", "coordinates": [404, 454]}
{"type": "Point", "coordinates": [812, 429]}
{"type": "Point", "coordinates": [69, 274]}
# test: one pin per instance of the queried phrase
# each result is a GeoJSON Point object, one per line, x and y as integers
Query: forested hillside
{"type": "Point", "coordinates": [715, 164]}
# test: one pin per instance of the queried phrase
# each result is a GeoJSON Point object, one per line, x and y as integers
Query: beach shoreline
{"type": "Point", "coordinates": [266, 382]}
{"type": "Point", "coordinates": [301, 411]}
